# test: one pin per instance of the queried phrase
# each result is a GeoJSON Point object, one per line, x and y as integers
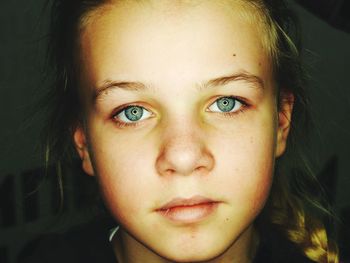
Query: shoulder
{"type": "Point", "coordinates": [84, 243]}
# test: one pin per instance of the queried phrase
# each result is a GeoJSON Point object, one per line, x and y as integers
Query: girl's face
{"type": "Point", "coordinates": [182, 128]}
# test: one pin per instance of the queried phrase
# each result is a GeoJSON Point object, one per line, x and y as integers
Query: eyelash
{"type": "Point", "coordinates": [122, 124]}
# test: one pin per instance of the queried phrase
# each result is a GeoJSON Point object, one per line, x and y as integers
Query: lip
{"type": "Point", "coordinates": [188, 210]}
{"type": "Point", "coordinates": [195, 200]}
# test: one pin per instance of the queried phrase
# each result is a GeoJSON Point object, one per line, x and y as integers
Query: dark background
{"type": "Point", "coordinates": [25, 212]}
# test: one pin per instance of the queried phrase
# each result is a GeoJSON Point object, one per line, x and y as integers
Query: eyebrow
{"type": "Point", "coordinates": [245, 76]}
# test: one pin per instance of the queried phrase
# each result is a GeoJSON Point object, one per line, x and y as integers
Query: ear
{"type": "Point", "coordinates": [82, 149]}
{"type": "Point", "coordinates": [284, 122]}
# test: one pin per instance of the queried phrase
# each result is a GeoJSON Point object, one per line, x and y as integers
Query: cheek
{"type": "Point", "coordinates": [124, 180]}
{"type": "Point", "coordinates": [248, 181]}
{"type": "Point", "coordinates": [245, 163]}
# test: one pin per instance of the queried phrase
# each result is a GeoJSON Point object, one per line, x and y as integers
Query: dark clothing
{"type": "Point", "coordinates": [89, 244]}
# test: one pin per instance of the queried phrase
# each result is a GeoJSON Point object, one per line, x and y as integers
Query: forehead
{"type": "Point", "coordinates": [171, 41]}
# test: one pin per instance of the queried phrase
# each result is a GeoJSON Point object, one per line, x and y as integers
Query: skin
{"type": "Point", "coordinates": [184, 146]}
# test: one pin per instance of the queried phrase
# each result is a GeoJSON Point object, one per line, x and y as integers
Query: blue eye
{"type": "Point", "coordinates": [132, 114]}
{"type": "Point", "coordinates": [226, 104]}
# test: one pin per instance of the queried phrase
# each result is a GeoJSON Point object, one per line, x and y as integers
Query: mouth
{"type": "Point", "coordinates": [191, 210]}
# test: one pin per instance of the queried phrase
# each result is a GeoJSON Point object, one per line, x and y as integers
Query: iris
{"type": "Point", "coordinates": [226, 104]}
{"type": "Point", "coordinates": [134, 113]}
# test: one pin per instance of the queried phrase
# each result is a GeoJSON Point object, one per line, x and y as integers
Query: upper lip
{"type": "Point", "coordinates": [195, 200]}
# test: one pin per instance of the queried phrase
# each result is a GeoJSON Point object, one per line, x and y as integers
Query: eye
{"type": "Point", "coordinates": [131, 114]}
{"type": "Point", "coordinates": [226, 105]}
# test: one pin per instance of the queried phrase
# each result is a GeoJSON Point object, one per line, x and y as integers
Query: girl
{"type": "Point", "coordinates": [183, 111]}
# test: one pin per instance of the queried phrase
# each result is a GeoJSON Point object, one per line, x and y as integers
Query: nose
{"type": "Point", "coordinates": [184, 154]}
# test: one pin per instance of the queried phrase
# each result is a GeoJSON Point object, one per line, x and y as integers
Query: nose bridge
{"type": "Point", "coordinates": [183, 150]}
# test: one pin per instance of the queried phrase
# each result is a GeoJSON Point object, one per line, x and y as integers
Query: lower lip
{"type": "Point", "coordinates": [189, 214]}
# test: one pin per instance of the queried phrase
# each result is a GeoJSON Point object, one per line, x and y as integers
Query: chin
{"type": "Point", "coordinates": [191, 258]}
{"type": "Point", "coordinates": [194, 255]}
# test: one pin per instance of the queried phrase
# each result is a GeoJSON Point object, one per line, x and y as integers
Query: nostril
{"type": "Point", "coordinates": [169, 171]}
{"type": "Point", "coordinates": [199, 169]}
